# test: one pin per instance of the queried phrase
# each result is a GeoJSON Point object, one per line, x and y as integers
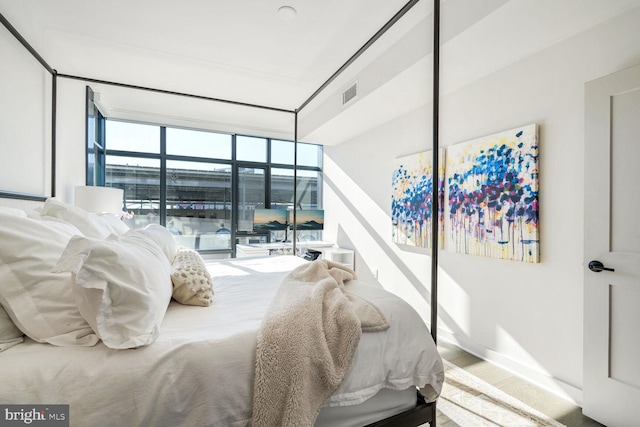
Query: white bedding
{"type": "Point", "coordinates": [199, 372]}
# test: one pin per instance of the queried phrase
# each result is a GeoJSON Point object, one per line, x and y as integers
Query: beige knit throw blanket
{"type": "Point", "coordinates": [307, 342]}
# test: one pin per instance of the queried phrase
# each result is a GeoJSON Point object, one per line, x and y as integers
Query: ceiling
{"type": "Point", "coordinates": [235, 50]}
{"type": "Point", "coordinates": [244, 51]}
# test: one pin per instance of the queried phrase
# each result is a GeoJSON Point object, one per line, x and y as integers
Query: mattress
{"type": "Point", "coordinates": [200, 369]}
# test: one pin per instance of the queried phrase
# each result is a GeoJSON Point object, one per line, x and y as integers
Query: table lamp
{"type": "Point", "coordinates": [99, 199]}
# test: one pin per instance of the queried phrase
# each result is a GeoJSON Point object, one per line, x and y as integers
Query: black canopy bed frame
{"type": "Point", "coordinates": [423, 412]}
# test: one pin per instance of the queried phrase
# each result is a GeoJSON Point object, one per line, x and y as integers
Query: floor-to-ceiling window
{"type": "Point", "coordinates": [204, 186]}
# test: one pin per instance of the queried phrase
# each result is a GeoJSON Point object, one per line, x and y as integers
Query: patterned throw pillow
{"type": "Point", "coordinates": [191, 281]}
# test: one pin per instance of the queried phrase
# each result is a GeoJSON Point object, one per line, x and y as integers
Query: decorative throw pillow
{"type": "Point", "coordinates": [191, 281]}
{"type": "Point", "coordinates": [39, 302]}
{"type": "Point", "coordinates": [10, 335]}
{"type": "Point", "coordinates": [122, 286]}
{"type": "Point", "coordinates": [90, 224]}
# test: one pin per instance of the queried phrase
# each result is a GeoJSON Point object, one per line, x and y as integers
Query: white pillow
{"type": "Point", "coordinates": [122, 286]}
{"type": "Point", "coordinates": [163, 238]}
{"type": "Point", "coordinates": [39, 302]}
{"type": "Point", "coordinates": [13, 211]}
{"type": "Point", "coordinates": [10, 335]}
{"type": "Point", "coordinates": [114, 223]}
{"type": "Point", "coordinates": [191, 280]}
{"type": "Point", "coordinates": [90, 224]}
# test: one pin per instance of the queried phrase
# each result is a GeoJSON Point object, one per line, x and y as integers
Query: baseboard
{"type": "Point", "coordinates": [556, 386]}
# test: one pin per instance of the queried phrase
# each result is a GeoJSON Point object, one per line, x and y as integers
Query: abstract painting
{"type": "Point", "coordinates": [412, 200]}
{"type": "Point", "coordinates": [492, 193]}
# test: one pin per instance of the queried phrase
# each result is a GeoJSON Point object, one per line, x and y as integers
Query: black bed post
{"type": "Point", "coordinates": [54, 121]}
{"type": "Point", "coordinates": [435, 190]}
{"type": "Point", "coordinates": [295, 178]}
{"type": "Point", "coordinates": [435, 235]}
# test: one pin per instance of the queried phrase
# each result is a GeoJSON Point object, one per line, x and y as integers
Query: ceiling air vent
{"type": "Point", "coordinates": [350, 93]}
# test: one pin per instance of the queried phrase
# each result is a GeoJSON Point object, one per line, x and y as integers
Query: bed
{"type": "Point", "coordinates": [178, 371]}
{"type": "Point", "coordinates": [191, 362]}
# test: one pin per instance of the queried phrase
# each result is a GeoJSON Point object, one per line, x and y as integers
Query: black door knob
{"type": "Point", "coordinates": [597, 267]}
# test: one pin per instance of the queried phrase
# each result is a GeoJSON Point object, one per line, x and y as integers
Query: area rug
{"type": "Point", "coordinates": [466, 400]}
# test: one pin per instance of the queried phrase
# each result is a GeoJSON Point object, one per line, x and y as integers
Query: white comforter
{"type": "Point", "coordinates": [200, 370]}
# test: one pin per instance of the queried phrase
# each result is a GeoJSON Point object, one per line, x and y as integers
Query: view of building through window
{"type": "Point", "coordinates": [190, 182]}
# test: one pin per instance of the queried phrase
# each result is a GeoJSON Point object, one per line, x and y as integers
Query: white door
{"type": "Point", "coordinates": [611, 390]}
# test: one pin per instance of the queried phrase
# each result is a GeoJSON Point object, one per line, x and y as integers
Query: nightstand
{"type": "Point", "coordinates": [342, 256]}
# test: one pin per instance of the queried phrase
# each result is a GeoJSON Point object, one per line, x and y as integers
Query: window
{"type": "Point", "coordinates": [251, 195]}
{"type": "Point", "coordinates": [95, 141]}
{"type": "Point", "coordinates": [251, 149]}
{"type": "Point", "coordinates": [139, 177]}
{"type": "Point", "coordinates": [198, 200]}
{"type": "Point", "coordinates": [282, 152]}
{"type": "Point", "coordinates": [184, 142]}
{"type": "Point", "coordinates": [309, 194]}
{"type": "Point", "coordinates": [309, 155]}
{"type": "Point", "coordinates": [124, 136]}
{"type": "Point", "coordinates": [191, 182]}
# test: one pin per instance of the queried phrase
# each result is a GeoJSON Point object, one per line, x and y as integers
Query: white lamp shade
{"type": "Point", "coordinates": [99, 199]}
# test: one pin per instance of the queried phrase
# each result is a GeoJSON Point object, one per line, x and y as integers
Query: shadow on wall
{"type": "Point", "coordinates": [381, 244]}
{"type": "Point", "coordinates": [365, 271]}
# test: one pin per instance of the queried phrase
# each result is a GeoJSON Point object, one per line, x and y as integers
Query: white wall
{"type": "Point", "coordinates": [25, 120]}
{"type": "Point", "coordinates": [525, 317]}
{"type": "Point", "coordinates": [25, 127]}
{"type": "Point", "coordinates": [71, 138]}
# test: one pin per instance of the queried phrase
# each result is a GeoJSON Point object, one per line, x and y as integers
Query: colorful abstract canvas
{"type": "Point", "coordinates": [412, 201]}
{"type": "Point", "coordinates": [492, 192]}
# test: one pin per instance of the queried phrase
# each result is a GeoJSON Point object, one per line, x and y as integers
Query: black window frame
{"type": "Point", "coordinates": [235, 164]}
